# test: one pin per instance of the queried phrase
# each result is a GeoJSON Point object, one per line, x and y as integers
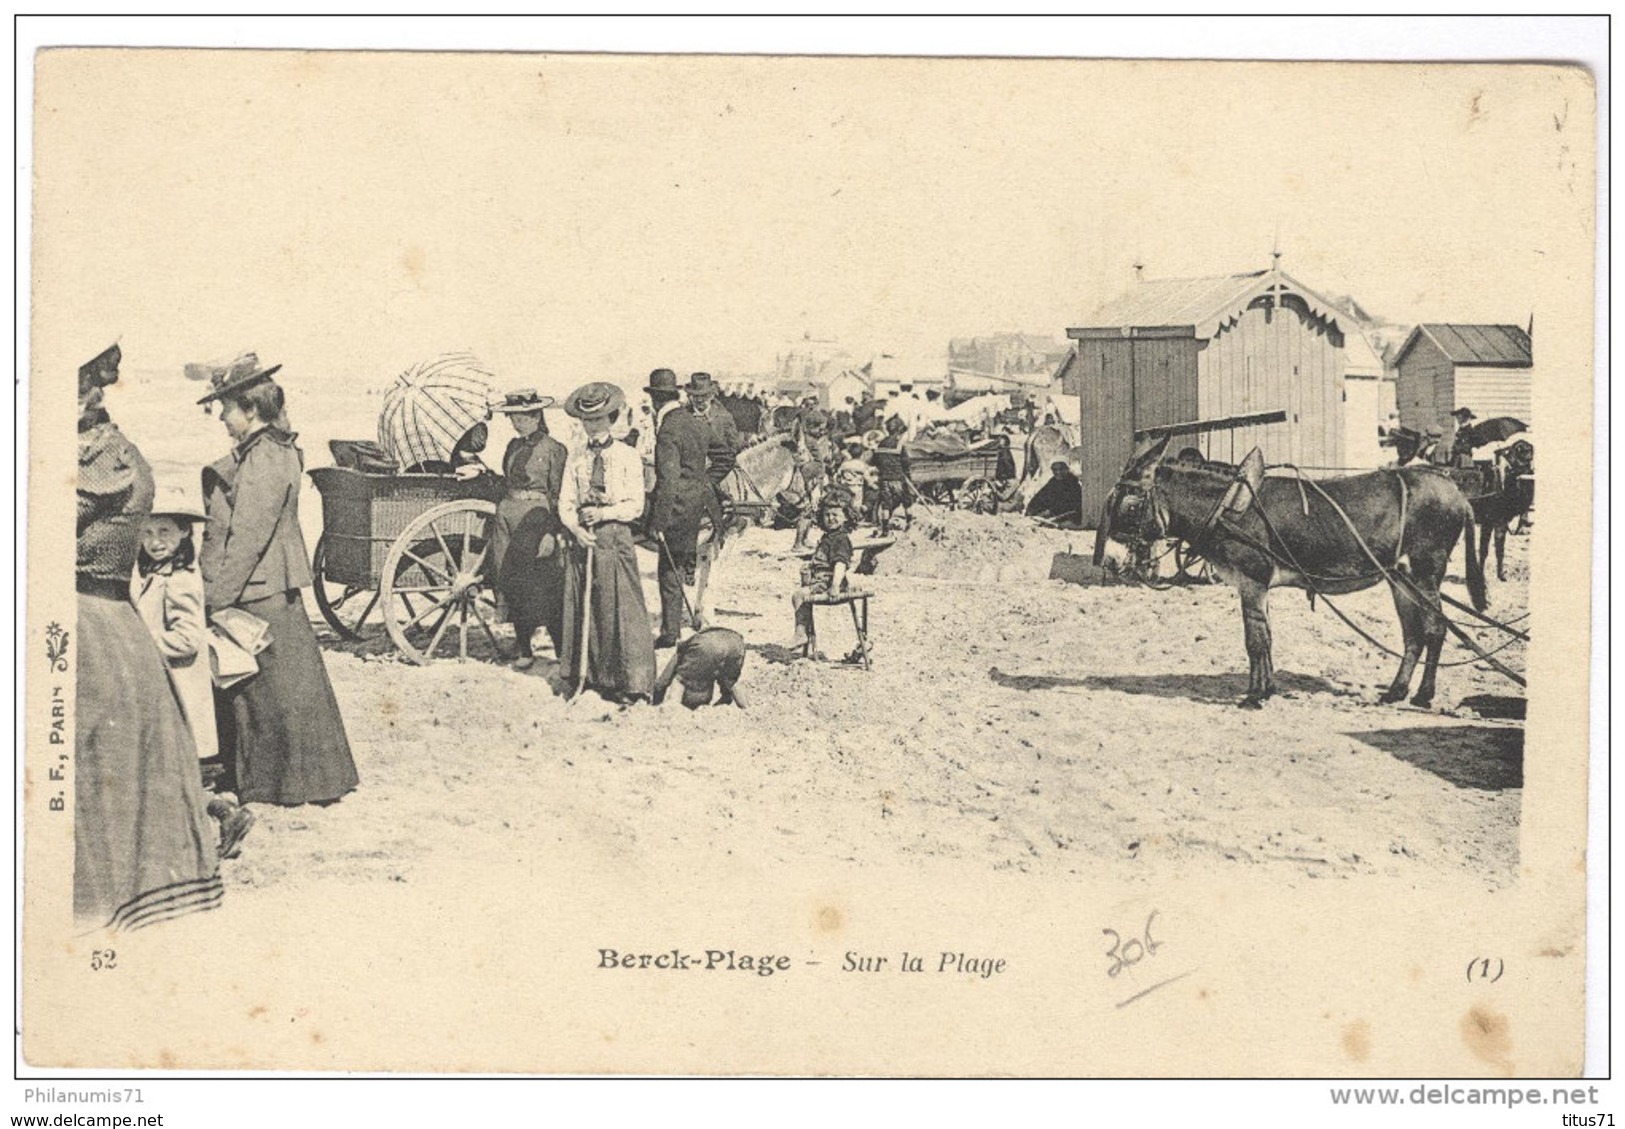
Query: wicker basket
{"type": "Point", "coordinates": [363, 514]}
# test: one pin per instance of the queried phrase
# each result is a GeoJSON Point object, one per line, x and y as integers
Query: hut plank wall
{"type": "Point", "coordinates": [1126, 384]}
{"type": "Point", "coordinates": [1427, 386]}
{"type": "Point", "coordinates": [1494, 391]}
{"type": "Point", "coordinates": [1274, 354]}
{"type": "Point", "coordinates": [1275, 359]}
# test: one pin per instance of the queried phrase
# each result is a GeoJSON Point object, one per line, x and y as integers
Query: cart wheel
{"type": "Point", "coordinates": [349, 610]}
{"type": "Point", "coordinates": [979, 496]}
{"type": "Point", "coordinates": [435, 596]}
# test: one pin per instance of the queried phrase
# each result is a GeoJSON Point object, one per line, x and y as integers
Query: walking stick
{"type": "Point", "coordinates": [586, 627]}
{"type": "Point", "coordinates": [671, 560]}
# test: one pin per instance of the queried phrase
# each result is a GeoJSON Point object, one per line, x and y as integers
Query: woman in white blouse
{"type": "Point", "coordinates": [601, 497]}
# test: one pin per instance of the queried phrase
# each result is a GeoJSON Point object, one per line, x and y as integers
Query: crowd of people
{"type": "Point", "coordinates": [202, 690]}
{"type": "Point", "coordinates": [569, 522]}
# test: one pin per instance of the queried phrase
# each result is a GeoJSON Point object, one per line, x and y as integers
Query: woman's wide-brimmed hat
{"type": "Point", "coordinates": [230, 377]}
{"type": "Point", "coordinates": [523, 400]}
{"type": "Point", "coordinates": [102, 369]}
{"type": "Point", "coordinates": [873, 438]}
{"type": "Point", "coordinates": [595, 401]}
{"type": "Point", "coordinates": [178, 499]}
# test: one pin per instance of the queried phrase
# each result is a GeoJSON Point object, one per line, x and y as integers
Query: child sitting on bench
{"type": "Point", "coordinates": [825, 573]}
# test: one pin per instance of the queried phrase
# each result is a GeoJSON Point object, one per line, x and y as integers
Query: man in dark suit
{"type": "Point", "coordinates": [721, 431]}
{"type": "Point", "coordinates": [683, 498]}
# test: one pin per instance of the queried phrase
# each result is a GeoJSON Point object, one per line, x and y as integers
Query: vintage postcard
{"type": "Point", "coordinates": [801, 565]}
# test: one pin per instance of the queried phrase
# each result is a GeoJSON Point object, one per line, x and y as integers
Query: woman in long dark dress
{"type": "Point", "coordinates": [526, 554]}
{"type": "Point", "coordinates": [282, 729]}
{"type": "Point", "coordinates": [144, 847]}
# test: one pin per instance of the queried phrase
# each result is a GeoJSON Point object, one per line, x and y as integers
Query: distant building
{"type": "Point", "coordinates": [1003, 362]}
{"type": "Point", "coordinates": [1443, 367]}
{"type": "Point", "coordinates": [1216, 352]}
{"type": "Point", "coordinates": [823, 369]}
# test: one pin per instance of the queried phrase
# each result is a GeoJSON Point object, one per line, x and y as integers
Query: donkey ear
{"type": "Point", "coordinates": [1150, 455]}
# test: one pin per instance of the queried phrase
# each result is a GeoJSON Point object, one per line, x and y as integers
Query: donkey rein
{"type": "Point", "coordinates": [1414, 593]}
{"type": "Point", "coordinates": [1141, 583]}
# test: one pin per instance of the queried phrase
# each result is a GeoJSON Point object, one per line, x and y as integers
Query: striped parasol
{"type": "Point", "coordinates": [432, 405]}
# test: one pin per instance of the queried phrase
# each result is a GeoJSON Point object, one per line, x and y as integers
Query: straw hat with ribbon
{"type": "Point", "coordinates": [595, 400]}
{"type": "Point", "coordinates": [434, 404]}
{"type": "Point", "coordinates": [522, 401]}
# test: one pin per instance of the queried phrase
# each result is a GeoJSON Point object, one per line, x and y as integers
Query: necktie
{"type": "Point", "coordinates": [597, 481]}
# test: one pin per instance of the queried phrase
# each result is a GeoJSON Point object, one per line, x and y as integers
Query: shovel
{"type": "Point", "coordinates": [586, 627]}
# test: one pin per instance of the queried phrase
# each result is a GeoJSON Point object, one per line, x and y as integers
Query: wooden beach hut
{"type": "Point", "coordinates": [1213, 356]}
{"type": "Point", "coordinates": [1443, 367]}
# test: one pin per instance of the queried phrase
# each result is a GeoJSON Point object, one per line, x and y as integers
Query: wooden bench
{"type": "Point", "coordinates": [853, 598]}
{"type": "Point", "coordinates": [860, 545]}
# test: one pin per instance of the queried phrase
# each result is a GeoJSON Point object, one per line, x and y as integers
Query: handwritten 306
{"type": "Point", "coordinates": [1125, 954]}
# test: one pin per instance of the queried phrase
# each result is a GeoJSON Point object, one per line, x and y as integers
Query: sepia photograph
{"type": "Point", "coordinates": [755, 563]}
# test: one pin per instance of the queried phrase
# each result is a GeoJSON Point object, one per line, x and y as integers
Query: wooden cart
{"type": "Point", "coordinates": [967, 480]}
{"type": "Point", "coordinates": [405, 554]}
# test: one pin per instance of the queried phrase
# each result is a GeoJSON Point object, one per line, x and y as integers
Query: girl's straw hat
{"type": "Point", "coordinates": [175, 499]}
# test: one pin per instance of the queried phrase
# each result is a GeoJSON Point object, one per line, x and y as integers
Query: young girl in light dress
{"type": "Point", "coordinates": [167, 591]}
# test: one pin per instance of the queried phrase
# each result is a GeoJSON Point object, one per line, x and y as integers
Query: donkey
{"type": "Point", "coordinates": [1509, 502]}
{"type": "Point", "coordinates": [1261, 533]}
{"type": "Point", "coordinates": [1498, 497]}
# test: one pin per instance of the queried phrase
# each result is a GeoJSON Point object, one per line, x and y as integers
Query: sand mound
{"type": "Point", "coordinates": [957, 545]}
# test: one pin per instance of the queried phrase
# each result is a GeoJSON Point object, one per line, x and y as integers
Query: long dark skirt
{"type": "Point", "coordinates": [143, 846]}
{"type": "Point", "coordinates": [531, 587]}
{"type": "Point", "coordinates": [282, 727]}
{"type": "Point", "coordinates": [621, 654]}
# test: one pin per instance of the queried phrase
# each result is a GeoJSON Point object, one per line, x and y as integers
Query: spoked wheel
{"type": "Point", "coordinates": [979, 496]}
{"type": "Point", "coordinates": [349, 609]}
{"type": "Point", "coordinates": [436, 600]}
{"type": "Point", "coordinates": [938, 493]}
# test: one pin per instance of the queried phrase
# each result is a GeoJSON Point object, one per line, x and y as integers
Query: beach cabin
{"type": "Point", "coordinates": [1443, 367]}
{"type": "Point", "coordinates": [1213, 354]}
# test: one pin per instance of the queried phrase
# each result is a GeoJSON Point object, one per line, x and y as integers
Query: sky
{"type": "Point", "coordinates": [571, 218]}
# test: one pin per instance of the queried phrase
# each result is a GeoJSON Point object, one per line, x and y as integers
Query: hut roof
{"type": "Point", "coordinates": [1499, 346]}
{"type": "Point", "coordinates": [1201, 304]}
